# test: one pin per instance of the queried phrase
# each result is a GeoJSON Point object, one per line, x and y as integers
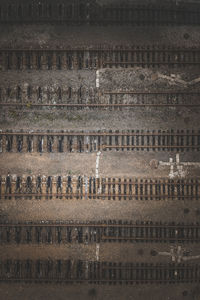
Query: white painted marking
{"type": "Point", "coordinates": [171, 173]}
{"type": "Point", "coordinates": [97, 251]}
{"type": "Point", "coordinates": [97, 164]}
{"type": "Point", "coordinates": [197, 80]}
{"type": "Point", "coordinates": [195, 164]}
{"type": "Point", "coordinates": [186, 258]}
{"type": "Point", "coordinates": [180, 172]}
{"type": "Point", "coordinates": [97, 78]}
{"type": "Point", "coordinates": [176, 79]}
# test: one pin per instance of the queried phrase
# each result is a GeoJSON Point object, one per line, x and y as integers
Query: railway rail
{"type": "Point", "coordinates": [94, 272]}
{"type": "Point", "coordinates": [82, 97]}
{"type": "Point", "coordinates": [95, 58]}
{"type": "Point", "coordinates": [92, 141]}
{"type": "Point", "coordinates": [98, 232]}
{"type": "Point", "coordinates": [86, 188]}
{"type": "Point", "coordinates": [89, 12]}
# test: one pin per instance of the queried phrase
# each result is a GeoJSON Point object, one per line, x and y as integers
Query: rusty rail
{"type": "Point", "coordinates": [68, 187]}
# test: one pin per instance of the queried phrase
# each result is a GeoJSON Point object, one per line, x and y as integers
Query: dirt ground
{"type": "Point", "coordinates": [95, 210]}
{"type": "Point", "coordinates": [95, 292]}
{"type": "Point", "coordinates": [115, 164]}
{"type": "Point", "coordinates": [59, 36]}
{"type": "Point", "coordinates": [112, 252]}
{"type": "Point", "coordinates": [164, 119]}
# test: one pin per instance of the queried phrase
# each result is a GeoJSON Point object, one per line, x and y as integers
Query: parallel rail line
{"type": "Point", "coordinates": [69, 141]}
{"type": "Point", "coordinates": [82, 58]}
{"type": "Point", "coordinates": [91, 13]}
{"type": "Point", "coordinates": [86, 188]}
{"type": "Point", "coordinates": [37, 97]}
{"type": "Point", "coordinates": [98, 232]}
{"type": "Point", "coordinates": [99, 105]}
{"type": "Point", "coordinates": [93, 272]}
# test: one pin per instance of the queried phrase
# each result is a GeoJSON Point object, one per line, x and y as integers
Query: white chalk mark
{"type": "Point", "coordinates": [97, 78]}
{"type": "Point", "coordinates": [171, 173]}
{"type": "Point", "coordinates": [176, 79]}
{"type": "Point", "coordinates": [178, 254]}
{"type": "Point", "coordinates": [176, 168]}
{"type": "Point", "coordinates": [194, 81]}
{"type": "Point", "coordinates": [42, 141]}
{"type": "Point", "coordinates": [186, 258]}
{"type": "Point", "coordinates": [97, 164]}
{"type": "Point", "coordinates": [97, 251]}
{"type": "Point", "coordinates": [195, 164]}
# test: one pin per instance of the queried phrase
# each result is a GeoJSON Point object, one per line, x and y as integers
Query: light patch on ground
{"type": "Point", "coordinates": [178, 168]}
{"type": "Point", "coordinates": [97, 163]}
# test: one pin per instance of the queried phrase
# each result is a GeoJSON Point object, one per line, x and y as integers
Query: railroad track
{"type": "Point", "coordinates": [98, 232]}
{"type": "Point", "coordinates": [82, 58]}
{"type": "Point", "coordinates": [86, 188]}
{"type": "Point", "coordinates": [93, 272]}
{"type": "Point", "coordinates": [152, 99]}
{"type": "Point", "coordinates": [89, 12]}
{"type": "Point", "coordinates": [92, 141]}
{"type": "Point", "coordinates": [71, 98]}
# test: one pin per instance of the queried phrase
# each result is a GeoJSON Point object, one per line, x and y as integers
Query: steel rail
{"type": "Point", "coordinates": [75, 58]}
{"type": "Point", "coordinates": [147, 181]}
{"type": "Point", "coordinates": [99, 105]}
{"type": "Point", "coordinates": [98, 280]}
{"type": "Point", "coordinates": [150, 238]}
{"type": "Point", "coordinates": [150, 146]}
{"type": "Point", "coordinates": [150, 62]}
{"type": "Point", "coordinates": [101, 49]}
{"type": "Point", "coordinates": [150, 224]}
{"type": "Point", "coordinates": [96, 133]}
{"type": "Point", "coordinates": [99, 272]}
{"type": "Point", "coordinates": [151, 93]}
{"type": "Point", "coordinates": [2, 196]}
